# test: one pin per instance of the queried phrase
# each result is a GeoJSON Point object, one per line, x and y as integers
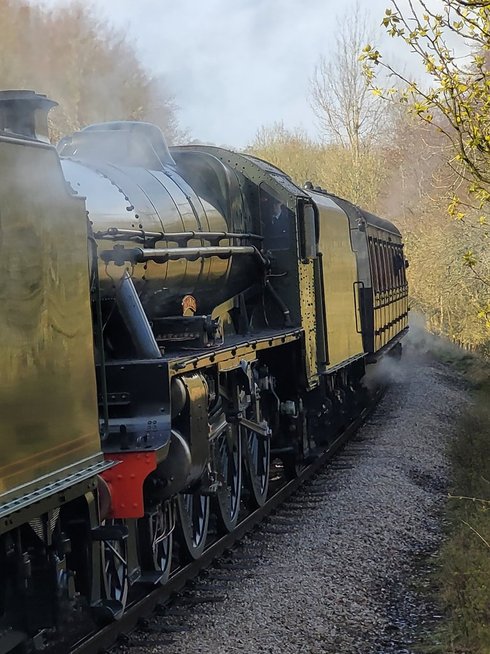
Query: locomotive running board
{"type": "Point", "coordinates": [230, 355]}
{"type": "Point", "coordinates": [61, 491]}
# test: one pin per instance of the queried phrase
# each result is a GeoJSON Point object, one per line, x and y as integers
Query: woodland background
{"type": "Point", "coordinates": [370, 149]}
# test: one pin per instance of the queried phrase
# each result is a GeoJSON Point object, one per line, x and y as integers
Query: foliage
{"type": "Point", "coordinates": [359, 180]}
{"type": "Point", "coordinates": [454, 99]}
{"type": "Point", "coordinates": [290, 150]}
{"type": "Point", "coordinates": [79, 61]}
{"type": "Point", "coordinates": [330, 166]}
{"type": "Point", "coordinates": [440, 286]}
{"type": "Point", "coordinates": [453, 44]}
{"type": "Point", "coordinates": [464, 578]}
{"type": "Point", "coordinates": [415, 196]}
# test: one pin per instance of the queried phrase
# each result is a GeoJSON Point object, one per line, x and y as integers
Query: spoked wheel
{"type": "Point", "coordinates": [228, 465]}
{"type": "Point", "coordinates": [257, 450]}
{"type": "Point", "coordinates": [156, 541]}
{"type": "Point", "coordinates": [193, 519]}
{"type": "Point", "coordinates": [115, 570]}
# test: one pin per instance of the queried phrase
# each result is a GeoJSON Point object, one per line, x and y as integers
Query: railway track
{"type": "Point", "coordinates": [158, 599]}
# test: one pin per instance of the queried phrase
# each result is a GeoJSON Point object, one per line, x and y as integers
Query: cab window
{"type": "Point", "coordinates": [276, 220]}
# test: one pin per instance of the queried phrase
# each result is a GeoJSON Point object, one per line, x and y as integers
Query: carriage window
{"type": "Point", "coordinates": [374, 268]}
{"type": "Point", "coordinates": [382, 253]}
{"type": "Point", "coordinates": [404, 268]}
{"type": "Point", "coordinates": [381, 265]}
{"type": "Point", "coordinates": [398, 265]}
{"type": "Point", "coordinates": [389, 265]}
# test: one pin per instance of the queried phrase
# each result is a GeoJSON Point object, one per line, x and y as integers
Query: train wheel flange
{"type": "Point", "coordinates": [256, 450]}
{"type": "Point", "coordinates": [228, 464]}
{"type": "Point", "coordinates": [193, 517]}
{"type": "Point", "coordinates": [156, 543]}
{"type": "Point", "coordinates": [114, 555]}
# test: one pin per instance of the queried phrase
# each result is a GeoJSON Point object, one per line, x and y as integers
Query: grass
{"type": "Point", "coordinates": [463, 576]}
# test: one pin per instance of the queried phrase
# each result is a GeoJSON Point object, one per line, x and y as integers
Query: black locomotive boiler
{"type": "Point", "coordinates": [172, 319]}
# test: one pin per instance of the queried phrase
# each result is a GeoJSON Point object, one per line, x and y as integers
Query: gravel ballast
{"type": "Point", "coordinates": [340, 580]}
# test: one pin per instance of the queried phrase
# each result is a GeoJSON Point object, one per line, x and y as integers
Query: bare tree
{"type": "Point", "coordinates": [348, 112]}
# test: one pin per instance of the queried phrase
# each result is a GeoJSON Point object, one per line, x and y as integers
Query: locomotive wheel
{"type": "Point", "coordinates": [115, 569]}
{"type": "Point", "coordinates": [193, 518]}
{"type": "Point", "coordinates": [257, 450]}
{"type": "Point", "coordinates": [228, 464]}
{"type": "Point", "coordinates": [156, 542]}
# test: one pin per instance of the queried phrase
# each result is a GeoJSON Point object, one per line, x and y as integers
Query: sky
{"type": "Point", "coordinates": [234, 65]}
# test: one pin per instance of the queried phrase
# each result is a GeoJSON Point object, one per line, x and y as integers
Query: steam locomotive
{"type": "Point", "coordinates": [171, 321]}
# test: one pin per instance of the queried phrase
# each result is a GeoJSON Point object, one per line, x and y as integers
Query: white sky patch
{"type": "Point", "coordinates": [235, 66]}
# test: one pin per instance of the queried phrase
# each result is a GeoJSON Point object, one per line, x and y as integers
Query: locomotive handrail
{"type": "Point", "coordinates": [121, 255]}
{"type": "Point", "coordinates": [118, 233]}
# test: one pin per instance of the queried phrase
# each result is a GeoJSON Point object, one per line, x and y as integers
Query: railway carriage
{"type": "Point", "coordinates": [382, 289]}
{"type": "Point", "coordinates": [173, 320]}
